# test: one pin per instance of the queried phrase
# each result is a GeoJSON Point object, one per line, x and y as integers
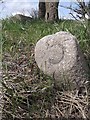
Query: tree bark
{"type": "Point", "coordinates": [48, 10]}
{"type": "Point", "coordinates": [42, 9]}
{"type": "Point", "coordinates": [51, 10]}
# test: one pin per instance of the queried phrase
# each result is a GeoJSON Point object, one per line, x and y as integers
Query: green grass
{"type": "Point", "coordinates": [28, 92]}
{"type": "Point", "coordinates": [32, 31]}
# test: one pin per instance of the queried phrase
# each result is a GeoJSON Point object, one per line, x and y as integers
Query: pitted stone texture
{"type": "Point", "coordinates": [59, 56]}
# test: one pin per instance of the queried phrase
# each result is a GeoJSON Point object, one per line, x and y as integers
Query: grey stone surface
{"type": "Point", "coordinates": [59, 56]}
{"type": "Point", "coordinates": [21, 17]}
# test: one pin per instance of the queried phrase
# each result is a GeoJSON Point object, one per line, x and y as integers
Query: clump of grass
{"type": "Point", "coordinates": [28, 93]}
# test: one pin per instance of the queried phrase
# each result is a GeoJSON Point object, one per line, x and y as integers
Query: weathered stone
{"type": "Point", "coordinates": [59, 56]}
{"type": "Point", "coordinates": [21, 17]}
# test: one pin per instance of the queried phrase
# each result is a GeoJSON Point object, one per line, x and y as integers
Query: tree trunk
{"type": "Point", "coordinates": [42, 9]}
{"type": "Point", "coordinates": [51, 10]}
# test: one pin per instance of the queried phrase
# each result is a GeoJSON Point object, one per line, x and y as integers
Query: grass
{"type": "Point", "coordinates": [28, 93]}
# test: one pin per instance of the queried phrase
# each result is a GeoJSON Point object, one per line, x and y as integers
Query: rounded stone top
{"type": "Point", "coordinates": [56, 52]}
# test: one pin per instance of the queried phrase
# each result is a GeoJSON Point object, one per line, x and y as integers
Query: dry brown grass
{"type": "Point", "coordinates": [28, 93]}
